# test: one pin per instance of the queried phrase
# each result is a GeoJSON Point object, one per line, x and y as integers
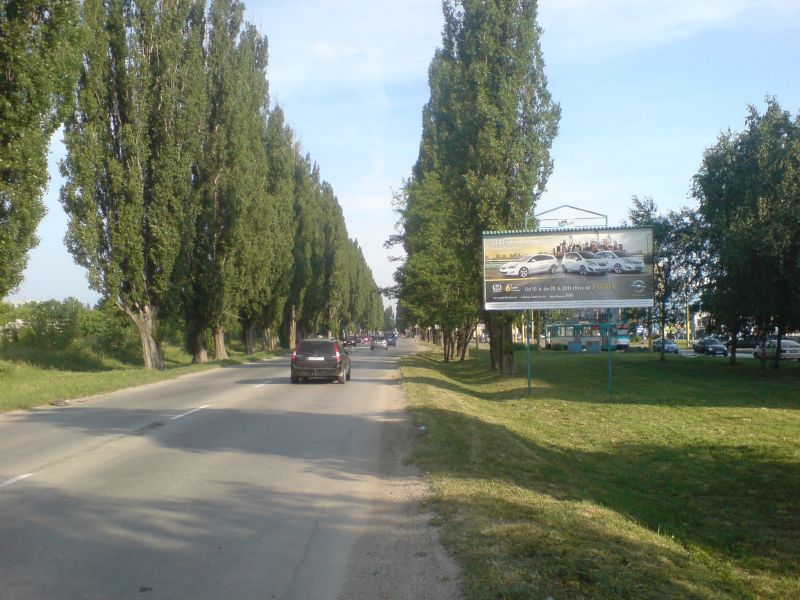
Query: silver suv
{"type": "Point", "coordinates": [320, 358]}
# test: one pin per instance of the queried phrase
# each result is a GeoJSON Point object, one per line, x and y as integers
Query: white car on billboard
{"type": "Point", "coordinates": [622, 262]}
{"type": "Point", "coordinates": [531, 265]}
{"type": "Point", "coordinates": [584, 262]}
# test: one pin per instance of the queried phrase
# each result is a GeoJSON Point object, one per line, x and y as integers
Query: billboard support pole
{"type": "Point", "coordinates": [530, 367]}
{"type": "Point", "coordinates": [610, 368]}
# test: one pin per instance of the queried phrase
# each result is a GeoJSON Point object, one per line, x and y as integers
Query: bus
{"type": "Point", "coordinates": [561, 335]}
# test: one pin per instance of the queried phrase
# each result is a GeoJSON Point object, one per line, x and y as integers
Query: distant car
{"type": "Point", "coordinates": [622, 262]}
{"type": "Point", "coordinates": [320, 359]}
{"type": "Point", "coordinates": [365, 339]}
{"type": "Point", "coordinates": [790, 350]}
{"type": "Point", "coordinates": [530, 265]}
{"type": "Point", "coordinates": [378, 341]}
{"type": "Point", "coordinates": [391, 339]}
{"type": "Point", "coordinates": [710, 345]}
{"type": "Point", "coordinates": [583, 262]}
{"type": "Point", "coordinates": [743, 342]}
{"type": "Point", "coordinates": [351, 340]}
{"type": "Point", "coordinates": [669, 346]}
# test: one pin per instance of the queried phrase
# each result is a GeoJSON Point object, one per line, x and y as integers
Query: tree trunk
{"type": "Point", "coordinates": [762, 358]}
{"type": "Point", "coordinates": [501, 344]}
{"type": "Point", "coordinates": [249, 335]}
{"type": "Point", "coordinates": [777, 360]}
{"type": "Point", "coordinates": [219, 342]}
{"type": "Point", "coordinates": [268, 341]}
{"type": "Point", "coordinates": [145, 321]}
{"type": "Point", "coordinates": [197, 346]}
{"type": "Point", "coordinates": [293, 328]}
{"type": "Point", "coordinates": [469, 332]}
{"type": "Point", "coordinates": [734, 337]}
{"type": "Point", "coordinates": [494, 342]}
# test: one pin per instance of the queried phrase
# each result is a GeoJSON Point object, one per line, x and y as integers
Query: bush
{"type": "Point", "coordinates": [54, 325]}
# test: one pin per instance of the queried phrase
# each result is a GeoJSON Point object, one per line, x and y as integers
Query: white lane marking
{"type": "Point", "coordinates": [188, 412]}
{"type": "Point", "coordinates": [260, 384]}
{"type": "Point", "coordinates": [15, 479]}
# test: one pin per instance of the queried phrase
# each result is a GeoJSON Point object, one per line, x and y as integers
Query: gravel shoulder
{"type": "Point", "coordinates": [400, 556]}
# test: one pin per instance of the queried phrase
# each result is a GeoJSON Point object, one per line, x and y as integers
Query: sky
{"type": "Point", "coordinates": [645, 87]}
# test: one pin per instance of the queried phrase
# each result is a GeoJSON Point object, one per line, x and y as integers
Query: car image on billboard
{"type": "Point", "coordinates": [579, 268]}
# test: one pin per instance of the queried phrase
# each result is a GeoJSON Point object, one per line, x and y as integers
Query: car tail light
{"type": "Point", "coordinates": [294, 356]}
{"type": "Point", "coordinates": [338, 354]}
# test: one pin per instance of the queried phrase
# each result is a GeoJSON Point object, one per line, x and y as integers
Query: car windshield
{"type": "Point", "coordinates": [588, 255]}
{"type": "Point", "coordinates": [378, 338]}
{"type": "Point", "coordinates": [622, 254]}
{"type": "Point", "coordinates": [712, 341]}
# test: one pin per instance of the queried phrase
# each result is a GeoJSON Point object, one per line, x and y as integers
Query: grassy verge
{"type": "Point", "coordinates": [684, 483]}
{"type": "Point", "coordinates": [32, 377]}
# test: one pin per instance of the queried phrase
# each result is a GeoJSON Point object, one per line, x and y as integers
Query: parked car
{"type": "Point", "coordinates": [320, 358]}
{"type": "Point", "coordinates": [531, 265]}
{"type": "Point", "coordinates": [621, 261]}
{"type": "Point", "coordinates": [351, 340]}
{"type": "Point", "coordinates": [378, 341]}
{"type": "Point", "coordinates": [583, 262]}
{"type": "Point", "coordinates": [710, 345]}
{"type": "Point", "coordinates": [742, 342]}
{"type": "Point", "coordinates": [391, 339]}
{"type": "Point", "coordinates": [790, 350]}
{"type": "Point", "coordinates": [669, 346]}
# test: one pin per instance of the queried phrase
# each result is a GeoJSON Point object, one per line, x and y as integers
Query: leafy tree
{"type": "Point", "coordinates": [487, 133]}
{"type": "Point", "coordinates": [231, 182]}
{"type": "Point", "coordinates": [388, 319]}
{"type": "Point", "coordinates": [748, 188]}
{"type": "Point", "coordinates": [275, 231]}
{"type": "Point", "coordinates": [39, 52]}
{"type": "Point", "coordinates": [130, 154]}
{"type": "Point", "coordinates": [673, 254]}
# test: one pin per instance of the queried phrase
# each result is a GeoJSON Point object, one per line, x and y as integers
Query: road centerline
{"type": "Point", "coordinates": [189, 412]}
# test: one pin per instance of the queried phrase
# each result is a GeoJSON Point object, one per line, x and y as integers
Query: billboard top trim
{"type": "Point", "coordinates": [560, 230]}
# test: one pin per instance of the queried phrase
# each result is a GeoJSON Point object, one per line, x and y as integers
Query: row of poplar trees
{"type": "Point", "coordinates": [188, 196]}
{"type": "Point", "coordinates": [483, 163]}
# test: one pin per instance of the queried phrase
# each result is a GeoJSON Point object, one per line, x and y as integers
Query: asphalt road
{"type": "Point", "coordinates": [231, 483]}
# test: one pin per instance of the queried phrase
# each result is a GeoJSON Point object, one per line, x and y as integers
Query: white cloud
{"type": "Point", "coordinates": [588, 29]}
{"type": "Point", "coordinates": [334, 43]}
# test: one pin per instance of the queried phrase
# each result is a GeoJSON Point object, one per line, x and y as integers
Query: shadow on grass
{"type": "Point", "coordinates": [737, 503]}
{"type": "Point", "coordinates": [639, 379]}
{"type": "Point", "coordinates": [734, 501]}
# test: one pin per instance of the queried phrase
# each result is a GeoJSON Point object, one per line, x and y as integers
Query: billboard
{"type": "Point", "coordinates": [579, 268]}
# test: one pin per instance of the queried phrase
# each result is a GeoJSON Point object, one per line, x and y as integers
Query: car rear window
{"type": "Point", "coordinates": [317, 347]}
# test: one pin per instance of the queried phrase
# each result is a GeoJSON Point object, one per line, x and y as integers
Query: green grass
{"type": "Point", "coordinates": [32, 377]}
{"type": "Point", "coordinates": [685, 483]}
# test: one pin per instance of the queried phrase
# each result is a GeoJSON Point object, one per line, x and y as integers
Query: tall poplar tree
{"type": "Point", "coordinates": [131, 148]}
{"type": "Point", "coordinates": [277, 236]}
{"type": "Point", "coordinates": [487, 133]}
{"type": "Point", "coordinates": [39, 54]}
{"type": "Point", "coordinates": [232, 175]}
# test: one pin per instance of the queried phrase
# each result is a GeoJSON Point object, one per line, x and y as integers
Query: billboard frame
{"type": "Point", "coordinates": [626, 287]}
